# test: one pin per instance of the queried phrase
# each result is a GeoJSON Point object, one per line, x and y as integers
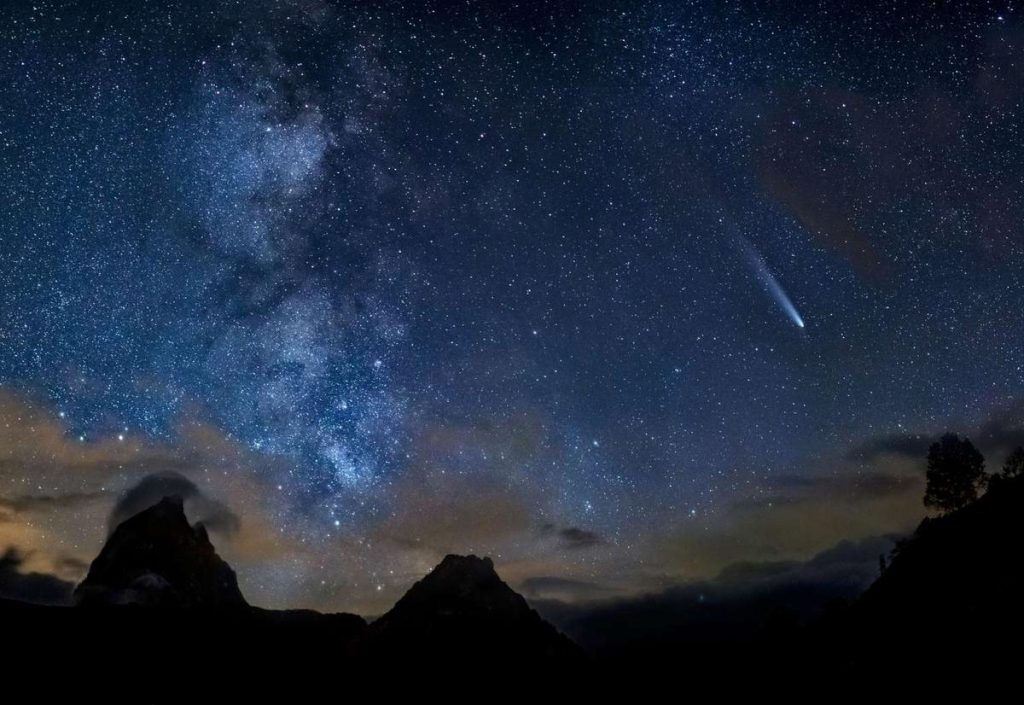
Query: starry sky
{"type": "Point", "coordinates": [618, 293]}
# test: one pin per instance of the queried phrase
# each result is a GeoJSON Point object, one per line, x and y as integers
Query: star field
{"type": "Point", "coordinates": [435, 276]}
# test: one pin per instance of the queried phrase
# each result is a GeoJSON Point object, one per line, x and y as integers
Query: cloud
{"type": "Point", "coordinates": [82, 487]}
{"type": "Point", "coordinates": [444, 513]}
{"type": "Point", "coordinates": [996, 436]}
{"type": "Point", "coordinates": [30, 587]}
{"type": "Point", "coordinates": [36, 443]}
{"type": "Point", "coordinates": [734, 606]}
{"type": "Point", "coordinates": [562, 589]}
{"type": "Point", "coordinates": [469, 487]}
{"type": "Point", "coordinates": [468, 491]}
{"type": "Point", "coordinates": [42, 503]}
{"type": "Point", "coordinates": [903, 444]}
{"type": "Point", "coordinates": [572, 537]}
{"type": "Point", "coordinates": [851, 564]}
{"type": "Point", "coordinates": [788, 517]}
{"type": "Point", "coordinates": [71, 568]}
{"type": "Point", "coordinates": [853, 486]}
{"type": "Point", "coordinates": [478, 486]}
{"type": "Point", "coordinates": [851, 165]}
{"type": "Point", "coordinates": [214, 515]}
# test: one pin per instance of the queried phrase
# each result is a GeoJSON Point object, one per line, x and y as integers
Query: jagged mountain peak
{"type": "Point", "coordinates": [157, 558]}
{"type": "Point", "coordinates": [463, 608]}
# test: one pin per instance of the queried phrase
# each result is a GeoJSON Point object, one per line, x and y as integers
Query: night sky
{"type": "Point", "coordinates": [619, 294]}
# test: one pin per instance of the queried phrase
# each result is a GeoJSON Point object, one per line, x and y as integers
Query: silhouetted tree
{"type": "Point", "coordinates": [956, 471]}
{"type": "Point", "coordinates": [1014, 464]}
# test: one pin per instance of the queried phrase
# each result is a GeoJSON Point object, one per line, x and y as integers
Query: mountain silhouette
{"type": "Point", "coordinates": [463, 610]}
{"type": "Point", "coordinates": [159, 602]}
{"type": "Point", "coordinates": [156, 558]}
{"type": "Point", "coordinates": [158, 591]}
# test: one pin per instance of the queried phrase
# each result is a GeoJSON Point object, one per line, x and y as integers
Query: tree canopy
{"type": "Point", "coordinates": [1014, 464]}
{"type": "Point", "coordinates": [955, 474]}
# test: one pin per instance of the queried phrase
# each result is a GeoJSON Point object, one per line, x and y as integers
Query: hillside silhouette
{"type": "Point", "coordinates": [158, 605]}
{"type": "Point", "coordinates": [952, 594]}
{"type": "Point", "coordinates": [948, 595]}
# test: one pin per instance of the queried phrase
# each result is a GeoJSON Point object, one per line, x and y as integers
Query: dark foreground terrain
{"type": "Point", "coordinates": [161, 610]}
{"type": "Point", "coordinates": [160, 616]}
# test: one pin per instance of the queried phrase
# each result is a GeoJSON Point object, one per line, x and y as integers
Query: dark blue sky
{"type": "Point", "coordinates": [545, 247]}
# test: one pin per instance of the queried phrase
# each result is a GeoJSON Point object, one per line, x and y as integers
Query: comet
{"type": "Point", "coordinates": [769, 282]}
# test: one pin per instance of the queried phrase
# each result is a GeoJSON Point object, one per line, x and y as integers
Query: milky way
{"type": "Point", "coordinates": [396, 280]}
